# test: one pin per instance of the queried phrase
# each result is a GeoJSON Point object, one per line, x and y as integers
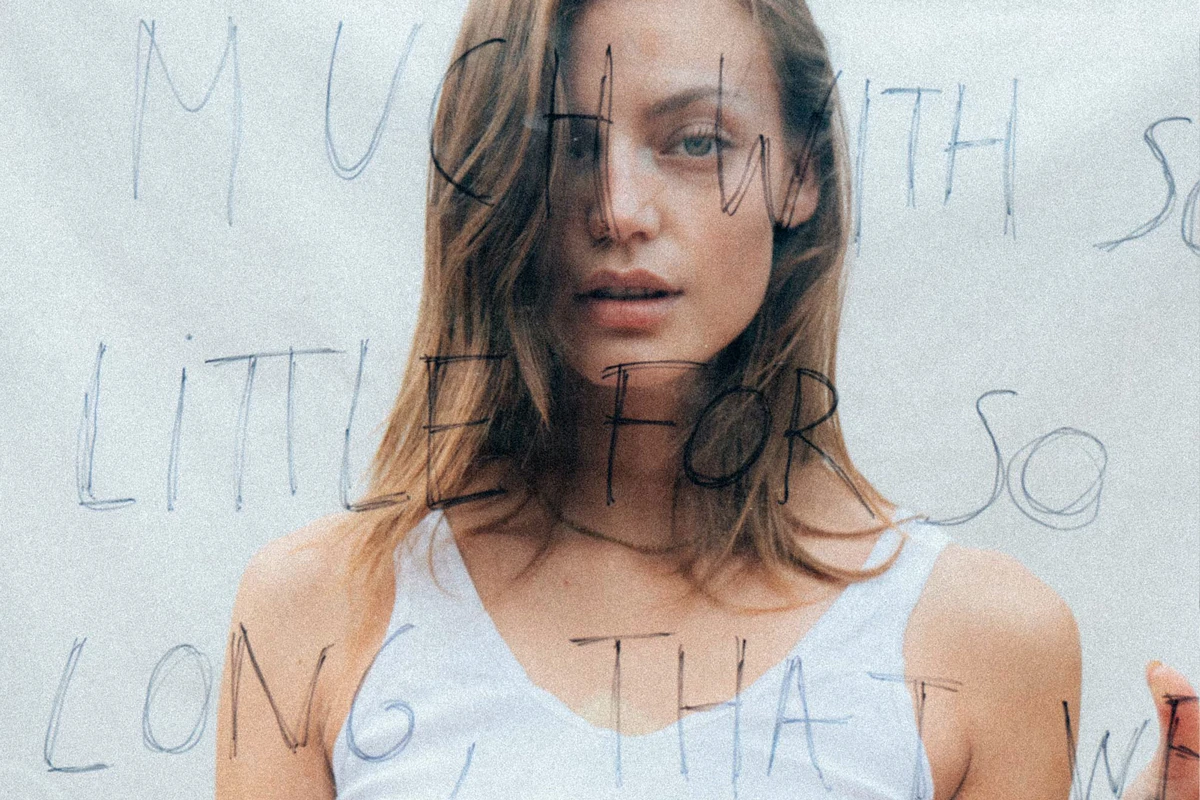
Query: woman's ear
{"type": "Point", "coordinates": [799, 193]}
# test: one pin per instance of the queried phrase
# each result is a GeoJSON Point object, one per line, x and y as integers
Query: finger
{"type": "Point", "coordinates": [1177, 762]}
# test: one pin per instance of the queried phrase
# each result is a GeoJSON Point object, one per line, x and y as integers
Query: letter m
{"type": "Point", "coordinates": [148, 52]}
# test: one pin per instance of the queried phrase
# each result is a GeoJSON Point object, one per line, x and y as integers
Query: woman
{"type": "Point", "coordinates": [643, 564]}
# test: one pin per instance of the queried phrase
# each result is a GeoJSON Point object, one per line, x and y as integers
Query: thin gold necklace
{"type": "Point", "coordinates": [592, 533]}
{"type": "Point", "coordinates": [604, 537]}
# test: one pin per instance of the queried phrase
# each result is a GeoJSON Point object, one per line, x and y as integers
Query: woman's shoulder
{"type": "Point", "coordinates": [1007, 647]}
{"type": "Point", "coordinates": [989, 594]}
{"type": "Point", "coordinates": [303, 577]}
{"type": "Point", "coordinates": [306, 618]}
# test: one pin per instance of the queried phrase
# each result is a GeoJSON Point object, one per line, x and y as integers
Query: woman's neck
{"type": "Point", "coordinates": [625, 462]}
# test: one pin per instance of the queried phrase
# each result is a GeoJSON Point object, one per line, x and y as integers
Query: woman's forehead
{"type": "Point", "coordinates": [660, 47]}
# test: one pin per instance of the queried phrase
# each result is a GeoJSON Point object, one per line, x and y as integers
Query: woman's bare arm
{"type": "Point", "coordinates": [284, 670]}
{"type": "Point", "coordinates": [1013, 647]}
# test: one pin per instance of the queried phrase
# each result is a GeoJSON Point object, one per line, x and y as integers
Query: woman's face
{"type": "Point", "coordinates": [660, 271]}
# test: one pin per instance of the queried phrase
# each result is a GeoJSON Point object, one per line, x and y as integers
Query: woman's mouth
{"type": "Point", "coordinates": [626, 293]}
{"type": "Point", "coordinates": [632, 302]}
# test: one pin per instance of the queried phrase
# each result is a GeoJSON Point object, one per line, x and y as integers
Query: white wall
{"type": "Point", "coordinates": [944, 305]}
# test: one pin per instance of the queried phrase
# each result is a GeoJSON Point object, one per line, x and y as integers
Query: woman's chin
{"type": "Point", "coordinates": [637, 367]}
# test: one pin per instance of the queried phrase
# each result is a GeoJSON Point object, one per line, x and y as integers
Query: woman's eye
{"type": "Point", "coordinates": [699, 143]}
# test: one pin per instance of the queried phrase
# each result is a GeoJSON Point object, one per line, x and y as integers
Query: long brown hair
{"type": "Point", "coordinates": [483, 304]}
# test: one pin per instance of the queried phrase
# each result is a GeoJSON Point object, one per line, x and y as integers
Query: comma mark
{"type": "Point", "coordinates": [462, 776]}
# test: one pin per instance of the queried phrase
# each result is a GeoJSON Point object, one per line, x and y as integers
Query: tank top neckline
{"type": "Point", "coordinates": [510, 669]}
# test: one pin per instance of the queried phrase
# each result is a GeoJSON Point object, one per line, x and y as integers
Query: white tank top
{"type": "Point", "coordinates": [446, 711]}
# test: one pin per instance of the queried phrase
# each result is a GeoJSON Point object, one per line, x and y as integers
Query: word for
{"type": "Point", "coordinates": [1187, 223]}
{"type": "Point", "coordinates": [149, 53]}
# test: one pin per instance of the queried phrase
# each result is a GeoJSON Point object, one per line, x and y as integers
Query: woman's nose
{"type": "Point", "coordinates": [625, 207]}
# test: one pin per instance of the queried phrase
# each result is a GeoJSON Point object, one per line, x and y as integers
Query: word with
{"type": "Point", "coordinates": [1187, 224]}
{"type": "Point", "coordinates": [758, 159]}
{"type": "Point", "coordinates": [955, 144]}
{"type": "Point", "coordinates": [1074, 513]}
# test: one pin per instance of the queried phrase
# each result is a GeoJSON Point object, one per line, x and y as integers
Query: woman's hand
{"type": "Point", "coordinates": [1174, 772]}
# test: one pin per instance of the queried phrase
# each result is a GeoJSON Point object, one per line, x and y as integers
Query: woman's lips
{"type": "Point", "coordinates": [636, 301]}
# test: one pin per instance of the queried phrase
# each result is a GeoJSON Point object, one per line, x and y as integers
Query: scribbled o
{"type": "Point", "coordinates": [1077, 512]}
{"type": "Point", "coordinates": [177, 655]}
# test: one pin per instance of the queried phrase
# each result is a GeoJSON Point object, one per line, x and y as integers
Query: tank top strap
{"type": "Point", "coordinates": [877, 610]}
{"type": "Point", "coordinates": [431, 580]}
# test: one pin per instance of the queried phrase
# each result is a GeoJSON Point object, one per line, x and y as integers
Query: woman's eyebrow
{"type": "Point", "coordinates": [682, 99]}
